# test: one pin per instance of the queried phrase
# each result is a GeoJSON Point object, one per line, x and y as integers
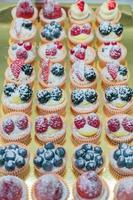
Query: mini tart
{"type": "Point", "coordinates": [83, 53]}
{"type": "Point", "coordinates": [110, 52]}
{"type": "Point", "coordinates": [11, 186]}
{"type": "Point", "coordinates": [50, 158]}
{"type": "Point", "coordinates": [22, 30]}
{"type": "Point", "coordinates": [52, 182]}
{"type": "Point", "coordinates": [51, 100]}
{"type": "Point", "coordinates": [54, 51]}
{"type": "Point", "coordinates": [84, 101]}
{"type": "Point", "coordinates": [14, 159]}
{"type": "Point", "coordinates": [118, 100]}
{"type": "Point", "coordinates": [121, 160]}
{"type": "Point", "coordinates": [88, 157]}
{"type": "Point", "coordinates": [83, 76]}
{"type": "Point", "coordinates": [86, 128]}
{"type": "Point", "coordinates": [50, 128]}
{"type": "Point", "coordinates": [124, 189]}
{"type": "Point", "coordinates": [17, 98]}
{"type": "Point", "coordinates": [22, 50]}
{"type": "Point", "coordinates": [15, 127]}
{"type": "Point", "coordinates": [90, 186]}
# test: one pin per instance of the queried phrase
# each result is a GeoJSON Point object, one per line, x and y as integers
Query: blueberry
{"type": "Point", "coordinates": [2, 150]}
{"type": "Point", "coordinates": [13, 146]}
{"type": "Point", "coordinates": [91, 166]}
{"type": "Point", "coordinates": [38, 160]}
{"type": "Point", "coordinates": [91, 154]}
{"type": "Point", "coordinates": [126, 93]}
{"type": "Point", "coordinates": [43, 96]}
{"type": "Point", "coordinates": [90, 75]}
{"type": "Point", "coordinates": [98, 150]}
{"type": "Point", "coordinates": [40, 151]}
{"type": "Point", "coordinates": [122, 70]}
{"type": "Point", "coordinates": [9, 89]}
{"type": "Point", "coordinates": [20, 162]}
{"type": "Point", "coordinates": [121, 162]}
{"type": "Point", "coordinates": [27, 69]}
{"type": "Point", "coordinates": [47, 34]}
{"type": "Point", "coordinates": [118, 29]}
{"type": "Point", "coordinates": [57, 161]}
{"type": "Point", "coordinates": [99, 160]}
{"type": "Point", "coordinates": [57, 69]}
{"type": "Point", "coordinates": [49, 145]}
{"type": "Point", "coordinates": [2, 161]}
{"type": "Point", "coordinates": [49, 155]}
{"type": "Point", "coordinates": [79, 153]}
{"type": "Point", "coordinates": [91, 95]}
{"type": "Point", "coordinates": [77, 96]}
{"type": "Point", "coordinates": [10, 165]}
{"type": "Point", "coordinates": [87, 147]}
{"type": "Point", "coordinates": [22, 152]}
{"type": "Point", "coordinates": [80, 163]}
{"type": "Point", "coordinates": [105, 28]}
{"type": "Point", "coordinates": [9, 155]}
{"type": "Point", "coordinates": [60, 151]}
{"type": "Point", "coordinates": [27, 25]}
{"type": "Point", "coordinates": [87, 157]}
{"type": "Point", "coordinates": [47, 166]}
{"type": "Point", "coordinates": [117, 154]}
{"type": "Point", "coordinates": [123, 146]}
{"type": "Point", "coordinates": [128, 152]}
{"type": "Point", "coordinates": [25, 92]}
{"type": "Point", "coordinates": [56, 94]}
{"type": "Point", "coordinates": [56, 33]}
{"type": "Point", "coordinates": [129, 163]}
{"type": "Point", "coordinates": [111, 94]}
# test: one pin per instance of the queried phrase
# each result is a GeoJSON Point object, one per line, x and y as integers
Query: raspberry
{"type": "Point", "coordinates": [22, 122]}
{"type": "Point", "coordinates": [45, 70]}
{"type": "Point", "coordinates": [51, 52]}
{"type": "Point", "coordinates": [81, 4]}
{"type": "Point", "coordinates": [22, 54]}
{"type": "Point", "coordinates": [41, 124]}
{"type": "Point", "coordinates": [80, 55]}
{"type": "Point", "coordinates": [113, 125]}
{"type": "Point", "coordinates": [59, 45]}
{"type": "Point", "coordinates": [8, 126]}
{"type": "Point", "coordinates": [28, 46]}
{"type": "Point", "coordinates": [115, 52]}
{"type": "Point", "coordinates": [25, 10]}
{"type": "Point", "coordinates": [56, 122]}
{"type": "Point", "coordinates": [72, 51]}
{"type": "Point", "coordinates": [86, 29]}
{"type": "Point", "coordinates": [93, 120]}
{"type": "Point", "coordinates": [53, 13]}
{"type": "Point", "coordinates": [113, 70]}
{"type": "Point", "coordinates": [16, 67]}
{"type": "Point", "coordinates": [84, 46]}
{"type": "Point", "coordinates": [75, 30]}
{"type": "Point", "coordinates": [111, 4]}
{"type": "Point", "coordinates": [79, 121]}
{"type": "Point", "coordinates": [127, 124]}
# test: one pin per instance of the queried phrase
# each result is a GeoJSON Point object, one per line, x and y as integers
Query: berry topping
{"type": "Point", "coordinates": [45, 67]}
{"type": "Point", "coordinates": [25, 9]}
{"type": "Point", "coordinates": [28, 46]}
{"type": "Point", "coordinates": [127, 124]}
{"type": "Point", "coordinates": [77, 96]}
{"type": "Point", "coordinates": [52, 51]}
{"type": "Point", "coordinates": [25, 92]}
{"type": "Point", "coordinates": [56, 94]}
{"type": "Point", "coordinates": [86, 29]}
{"type": "Point", "coordinates": [49, 145]}
{"type": "Point", "coordinates": [60, 151]}
{"type": "Point", "coordinates": [27, 24]}
{"type": "Point", "coordinates": [57, 69]}
{"type": "Point", "coordinates": [22, 122]}
{"type": "Point", "coordinates": [113, 70]}
{"type": "Point", "coordinates": [27, 69]}
{"type": "Point", "coordinates": [8, 126]}
{"type": "Point", "coordinates": [93, 120]}
{"type": "Point", "coordinates": [79, 121]}
{"type": "Point", "coordinates": [43, 96]}
{"type": "Point", "coordinates": [90, 74]}
{"type": "Point", "coordinates": [16, 67]}
{"type": "Point", "coordinates": [52, 10]}
{"type": "Point", "coordinates": [58, 44]}
{"type": "Point", "coordinates": [75, 30]}
{"type": "Point", "coordinates": [9, 89]}
{"type": "Point", "coordinates": [80, 54]}
{"type": "Point", "coordinates": [123, 70]}
{"type": "Point", "coordinates": [118, 29]}
{"type": "Point", "coordinates": [115, 52]}
{"type": "Point", "coordinates": [56, 122]}
{"type": "Point", "coordinates": [125, 93]}
{"type": "Point", "coordinates": [91, 95]}
{"type": "Point", "coordinates": [41, 124]}
{"type": "Point", "coordinates": [81, 5]}
{"type": "Point", "coordinates": [105, 28]}
{"type": "Point", "coordinates": [113, 124]}
{"type": "Point", "coordinates": [111, 94]}
{"type": "Point", "coordinates": [111, 5]}
{"type": "Point", "coordinates": [21, 54]}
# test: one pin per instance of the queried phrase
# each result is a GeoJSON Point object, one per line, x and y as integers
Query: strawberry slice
{"type": "Point", "coordinates": [16, 67]}
{"type": "Point", "coordinates": [81, 5]}
{"type": "Point", "coordinates": [113, 71]}
{"type": "Point", "coordinates": [111, 5]}
{"type": "Point", "coordinates": [45, 66]}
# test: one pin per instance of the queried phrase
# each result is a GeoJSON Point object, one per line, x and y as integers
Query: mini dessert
{"type": "Point", "coordinates": [114, 74]}
{"type": "Point", "coordinates": [88, 157]}
{"type": "Point", "coordinates": [110, 52]}
{"type": "Point", "coordinates": [83, 76]}
{"type": "Point", "coordinates": [54, 51]}
{"type": "Point", "coordinates": [86, 128]}
{"type": "Point", "coordinates": [83, 53]}
{"type": "Point", "coordinates": [50, 187]}
{"type": "Point", "coordinates": [90, 186]}
{"type": "Point", "coordinates": [52, 32]}
{"type": "Point", "coordinates": [81, 13]}
{"type": "Point", "coordinates": [26, 10]}
{"type": "Point", "coordinates": [11, 186]}
{"type": "Point", "coordinates": [84, 101]}
{"type": "Point", "coordinates": [107, 32]}
{"type": "Point", "coordinates": [51, 75]}
{"type": "Point", "coordinates": [119, 129]}
{"type": "Point", "coordinates": [50, 128]}
{"type": "Point", "coordinates": [19, 73]}
{"type": "Point", "coordinates": [14, 159]}
{"type": "Point", "coordinates": [22, 50]}
{"type": "Point", "coordinates": [15, 127]}
{"type": "Point", "coordinates": [52, 11]}
{"type": "Point", "coordinates": [78, 34]}
{"type": "Point", "coordinates": [51, 100]}
{"type": "Point", "coordinates": [121, 160]}
{"type": "Point", "coordinates": [118, 100]}
{"type": "Point", "coordinates": [17, 98]}
{"type": "Point", "coordinates": [124, 189]}
{"type": "Point", "coordinates": [108, 11]}
{"type": "Point", "coordinates": [22, 30]}
{"type": "Point", "coordinates": [50, 159]}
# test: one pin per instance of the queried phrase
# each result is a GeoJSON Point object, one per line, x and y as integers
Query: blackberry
{"type": "Point", "coordinates": [105, 28]}
{"type": "Point", "coordinates": [126, 93]}
{"type": "Point", "coordinates": [43, 96]}
{"type": "Point", "coordinates": [57, 69]}
{"type": "Point", "coordinates": [9, 89]}
{"type": "Point", "coordinates": [25, 92]}
{"type": "Point", "coordinates": [118, 29]}
{"type": "Point", "coordinates": [27, 69]}
{"type": "Point", "coordinates": [56, 94]}
{"type": "Point", "coordinates": [111, 94]}
{"type": "Point", "coordinates": [122, 70]}
{"type": "Point", "coordinates": [91, 95]}
{"type": "Point", "coordinates": [27, 25]}
{"type": "Point", "coordinates": [90, 75]}
{"type": "Point", "coordinates": [77, 96]}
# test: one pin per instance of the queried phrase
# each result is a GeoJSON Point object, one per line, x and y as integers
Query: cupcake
{"type": "Point", "coordinates": [14, 159]}
{"type": "Point", "coordinates": [121, 160]}
{"type": "Point", "coordinates": [88, 157]}
{"type": "Point", "coordinates": [114, 74]}
{"type": "Point", "coordinates": [51, 100]}
{"type": "Point", "coordinates": [81, 13]}
{"type": "Point", "coordinates": [78, 34]}
{"type": "Point", "coordinates": [110, 52]}
{"type": "Point", "coordinates": [108, 11]}
{"type": "Point", "coordinates": [11, 186]}
{"type": "Point", "coordinates": [50, 159]}
{"type": "Point", "coordinates": [52, 32]}
{"type": "Point", "coordinates": [17, 98]}
{"type": "Point", "coordinates": [50, 128]}
{"type": "Point", "coordinates": [52, 11]}
{"type": "Point", "coordinates": [50, 186]}
{"type": "Point", "coordinates": [82, 52]}
{"type": "Point", "coordinates": [83, 76]}
{"type": "Point", "coordinates": [15, 127]}
{"type": "Point", "coordinates": [22, 30]}
{"type": "Point", "coordinates": [54, 51]}
{"type": "Point", "coordinates": [84, 101]}
{"type": "Point", "coordinates": [26, 10]}
{"type": "Point", "coordinates": [86, 128]}
{"type": "Point", "coordinates": [118, 100]}
{"type": "Point", "coordinates": [90, 186]}
{"type": "Point", "coordinates": [19, 73]}
{"type": "Point", "coordinates": [51, 74]}
{"type": "Point", "coordinates": [22, 50]}
{"type": "Point", "coordinates": [124, 189]}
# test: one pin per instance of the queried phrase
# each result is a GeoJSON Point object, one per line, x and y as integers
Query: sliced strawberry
{"type": "Point", "coordinates": [56, 121]}
{"type": "Point", "coordinates": [93, 120]}
{"type": "Point", "coordinates": [113, 70]}
{"type": "Point", "coordinates": [16, 67]}
{"type": "Point", "coordinates": [127, 124]}
{"type": "Point", "coordinates": [113, 124]}
{"type": "Point", "coordinates": [111, 5]}
{"type": "Point", "coordinates": [79, 121]}
{"type": "Point", "coordinates": [81, 5]}
{"type": "Point", "coordinates": [75, 30]}
{"type": "Point", "coordinates": [45, 66]}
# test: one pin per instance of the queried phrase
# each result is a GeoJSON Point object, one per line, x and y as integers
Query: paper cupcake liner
{"type": "Point", "coordinates": [76, 111]}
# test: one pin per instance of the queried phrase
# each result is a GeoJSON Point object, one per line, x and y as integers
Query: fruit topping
{"type": "Point", "coordinates": [127, 124]}
{"type": "Point", "coordinates": [57, 69]}
{"type": "Point", "coordinates": [111, 4]}
{"type": "Point", "coordinates": [113, 70]}
{"type": "Point", "coordinates": [28, 46]}
{"type": "Point", "coordinates": [56, 94]}
{"type": "Point", "coordinates": [80, 54]}
{"type": "Point", "coordinates": [52, 10]}
{"type": "Point", "coordinates": [45, 67]}
{"type": "Point", "coordinates": [43, 96]}
{"type": "Point", "coordinates": [123, 70]}
{"type": "Point", "coordinates": [79, 121]}
{"type": "Point", "coordinates": [27, 24]}
{"type": "Point", "coordinates": [105, 28]}
{"type": "Point", "coordinates": [25, 92]}
{"type": "Point", "coordinates": [115, 52]}
{"type": "Point", "coordinates": [81, 4]}
{"type": "Point", "coordinates": [21, 54]}
{"type": "Point", "coordinates": [111, 94]}
{"type": "Point", "coordinates": [22, 122]}
{"type": "Point", "coordinates": [93, 120]}
{"type": "Point", "coordinates": [41, 124]}
{"type": "Point", "coordinates": [86, 29]}
{"type": "Point", "coordinates": [16, 67]}
{"type": "Point", "coordinates": [9, 89]}
{"type": "Point", "coordinates": [58, 44]}
{"type": "Point", "coordinates": [75, 30]}
{"type": "Point", "coordinates": [51, 50]}
{"type": "Point", "coordinates": [77, 96]}
{"type": "Point", "coordinates": [25, 9]}
{"type": "Point", "coordinates": [118, 29]}
{"type": "Point", "coordinates": [125, 93]}
{"type": "Point", "coordinates": [27, 69]}
{"type": "Point", "coordinates": [56, 121]}
{"type": "Point", "coordinates": [8, 126]}
{"type": "Point", "coordinates": [113, 124]}
{"type": "Point", "coordinates": [91, 95]}
{"type": "Point", "coordinates": [90, 74]}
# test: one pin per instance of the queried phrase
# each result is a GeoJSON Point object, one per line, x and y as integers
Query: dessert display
{"type": "Point", "coordinates": [51, 74]}
{"type": "Point", "coordinates": [86, 128]}
{"type": "Point", "coordinates": [121, 160]}
{"type": "Point", "coordinates": [88, 157]}
{"type": "Point", "coordinates": [50, 128]}
{"type": "Point", "coordinates": [50, 186]}
{"type": "Point", "coordinates": [50, 158]}
{"type": "Point", "coordinates": [118, 99]}
{"type": "Point", "coordinates": [90, 186]}
{"type": "Point", "coordinates": [84, 101]}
